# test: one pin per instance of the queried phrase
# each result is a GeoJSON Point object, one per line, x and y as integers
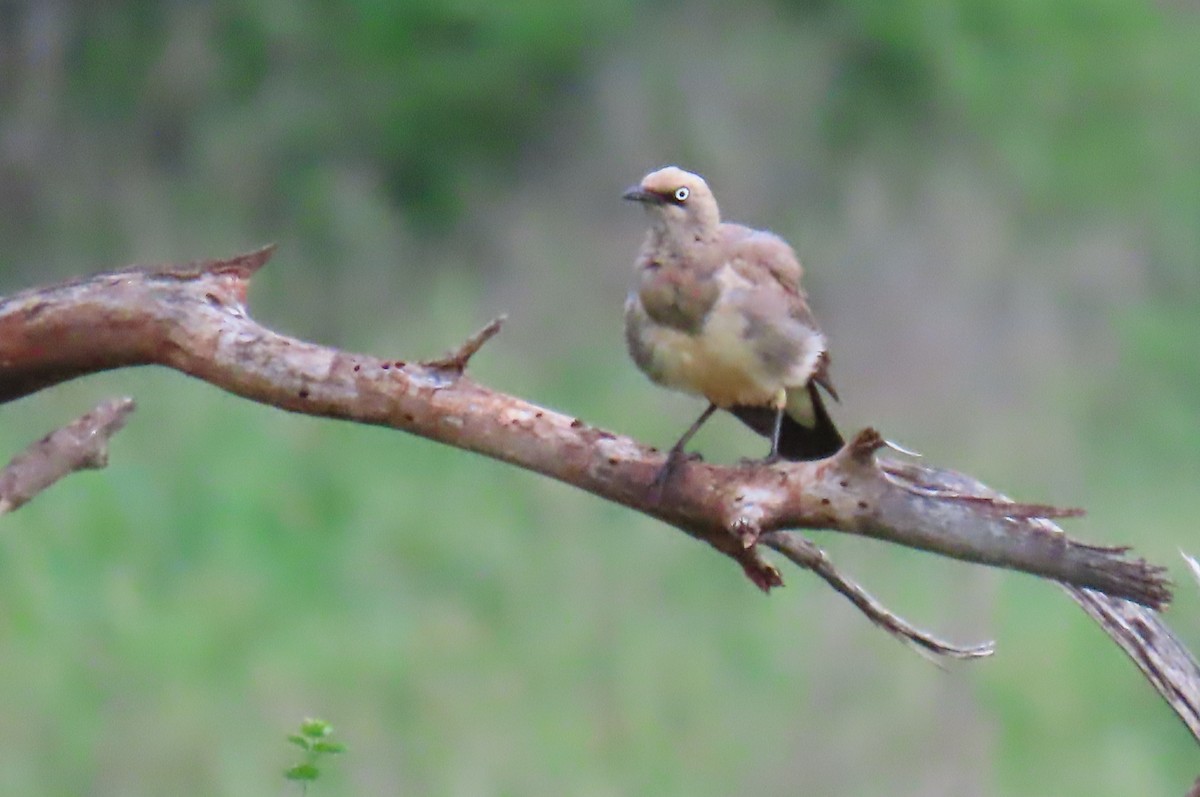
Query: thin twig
{"type": "Point", "coordinates": [1193, 566]}
{"type": "Point", "coordinates": [804, 553]}
{"type": "Point", "coordinates": [906, 478]}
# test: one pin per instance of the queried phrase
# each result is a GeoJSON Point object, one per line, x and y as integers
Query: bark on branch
{"type": "Point", "coordinates": [193, 318]}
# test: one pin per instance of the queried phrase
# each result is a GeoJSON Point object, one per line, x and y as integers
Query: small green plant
{"type": "Point", "coordinates": [316, 740]}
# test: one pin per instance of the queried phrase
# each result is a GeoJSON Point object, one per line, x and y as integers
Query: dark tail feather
{"type": "Point", "coordinates": [796, 442]}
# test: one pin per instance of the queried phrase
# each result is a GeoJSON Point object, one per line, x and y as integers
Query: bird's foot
{"type": "Point", "coordinates": [675, 458]}
{"type": "Point", "coordinates": [768, 460]}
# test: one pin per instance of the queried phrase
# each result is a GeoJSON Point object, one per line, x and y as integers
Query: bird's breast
{"type": "Point", "coordinates": [675, 295]}
{"type": "Point", "coordinates": [716, 361]}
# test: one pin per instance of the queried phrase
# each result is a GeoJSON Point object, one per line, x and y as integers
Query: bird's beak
{"type": "Point", "coordinates": [638, 194]}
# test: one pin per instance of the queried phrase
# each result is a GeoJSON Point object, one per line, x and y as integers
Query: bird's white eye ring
{"type": "Point", "coordinates": [682, 193]}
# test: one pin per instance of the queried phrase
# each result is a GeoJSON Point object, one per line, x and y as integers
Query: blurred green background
{"type": "Point", "coordinates": [998, 204]}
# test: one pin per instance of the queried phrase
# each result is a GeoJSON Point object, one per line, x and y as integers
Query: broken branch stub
{"type": "Point", "coordinates": [80, 445]}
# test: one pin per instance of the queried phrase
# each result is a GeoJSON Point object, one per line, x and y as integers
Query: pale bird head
{"type": "Point", "coordinates": [677, 199]}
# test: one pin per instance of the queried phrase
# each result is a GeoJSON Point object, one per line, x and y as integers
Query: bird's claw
{"type": "Point", "coordinates": [675, 458]}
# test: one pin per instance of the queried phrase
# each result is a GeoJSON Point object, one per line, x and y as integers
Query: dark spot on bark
{"type": "Point", "coordinates": [385, 366]}
{"type": "Point", "coordinates": [400, 363]}
{"type": "Point", "coordinates": [212, 299]}
{"type": "Point", "coordinates": [408, 418]}
{"type": "Point", "coordinates": [612, 460]}
{"type": "Point", "coordinates": [303, 392]}
{"type": "Point", "coordinates": [862, 504]}
{"type": "Point", "coordinates": [843, 484]}
{"type": "Point", "coordinates": [824, 502]}
{"type": "Point", "coordinates": [538, 414]}
{"type": "Point", "coordinates": [357, 368]}
{"type": "Point", "coordinates": [576, 424]}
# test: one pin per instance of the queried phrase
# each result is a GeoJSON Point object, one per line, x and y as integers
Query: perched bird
{"type": "Point", "coordinates": [717, 311]}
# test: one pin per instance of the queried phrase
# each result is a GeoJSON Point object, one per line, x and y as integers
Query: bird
{"type": "Point", "coordinates": [717, 311]}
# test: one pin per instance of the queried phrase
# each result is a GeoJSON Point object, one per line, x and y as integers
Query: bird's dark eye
{"type": "Point", "coordinates": [682, 193]}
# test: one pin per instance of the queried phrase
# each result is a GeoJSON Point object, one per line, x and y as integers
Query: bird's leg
{"type": "Point", "coordinates": [677, 449]}
{"type": "Point", "coordinates": [776, 432]}
{"type": "Point", "coordinates": [675, 455]}
{"type": "Point", "coordinates": [777, 429]}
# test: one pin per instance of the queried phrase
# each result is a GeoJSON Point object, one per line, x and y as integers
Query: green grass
{"type": "Point", "coordinates": [470, 628]}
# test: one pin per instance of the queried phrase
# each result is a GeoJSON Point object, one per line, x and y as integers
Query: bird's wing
{"type": "Point", "coordinates": [758, 254]}
{"type": "Point", "coordinates": [768, 263]}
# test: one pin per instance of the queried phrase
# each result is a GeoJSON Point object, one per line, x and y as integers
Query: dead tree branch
{"type": "Point", "coordinates": [193, 318]}
{"type": "Point", "coordinates": [1163, 659]}
{"type": "Point", "coordinates": [80, 445]}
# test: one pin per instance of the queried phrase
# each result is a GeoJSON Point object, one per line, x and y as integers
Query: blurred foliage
{"type": "Point", "coordinates": [1080, 107]}
{"type": "Point", "coordinates": [428, 92]}
{"type": "Point", "coordinates": [997, 201]}
{"type": "Point", "coordinates": [315, 738]}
